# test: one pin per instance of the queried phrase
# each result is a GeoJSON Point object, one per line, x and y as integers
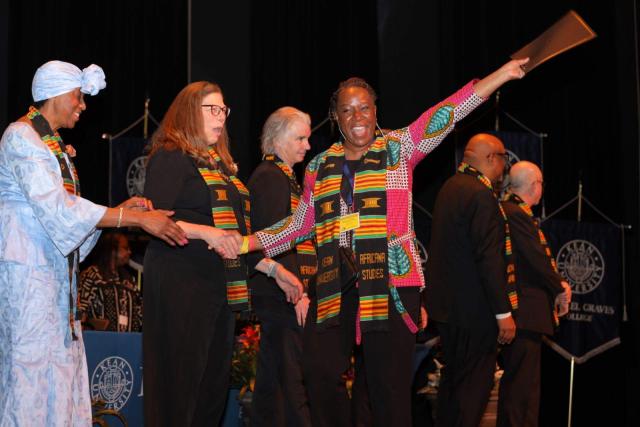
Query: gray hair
{"type": "Point", "coordinates": [522, 174]}
{"type": "Point", "coordinates": [277, 124]}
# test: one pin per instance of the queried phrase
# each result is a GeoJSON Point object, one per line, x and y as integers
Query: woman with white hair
{"type": "Point", "coordinates": [279, 397]}
{"type": "Point", "coordinates": [46, 229]}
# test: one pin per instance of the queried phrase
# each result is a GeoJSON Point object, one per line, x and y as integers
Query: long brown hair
{"type": "Point", "coordinates": [182, 127]}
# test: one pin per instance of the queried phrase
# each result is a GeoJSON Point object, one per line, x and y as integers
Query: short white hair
{"type": "Point", "coordinates": [277, 125]}
{"type": "Point", "coordinates": [523, 173]}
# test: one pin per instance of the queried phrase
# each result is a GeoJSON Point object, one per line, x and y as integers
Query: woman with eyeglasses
{"type": "Point", "coordinates": [190, 293]}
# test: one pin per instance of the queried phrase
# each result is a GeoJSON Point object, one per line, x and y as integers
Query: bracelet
{"type": "Point", "coordinates": [120, 218]}
{"type": "Point", "coordinates": [244, 248]}
{"type": "Point", "coordinates": [273, 266]}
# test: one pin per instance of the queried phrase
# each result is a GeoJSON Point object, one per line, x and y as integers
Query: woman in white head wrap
{"type": "Point", "coordinates": [46, 229]}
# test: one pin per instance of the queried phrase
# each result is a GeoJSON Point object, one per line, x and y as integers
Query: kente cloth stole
{"type": "Point", "coordinates": [369, 239]}
{"type": "Point", "coordinates": [524, 206]}
{"type": "Point", "coordinates": [224, 217]}
{"type": "Point", "coordinates": [71, 184]}
{"type": "Point", "coordinates": [467, 169]}
{"type": "Point", "coordinates": [305, 250]}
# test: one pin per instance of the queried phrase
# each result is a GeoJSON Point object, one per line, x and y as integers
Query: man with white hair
{"type": "Point", "coordinates": [542, 296]}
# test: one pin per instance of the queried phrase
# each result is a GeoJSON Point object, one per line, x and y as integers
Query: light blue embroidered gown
{"type": "Point", "coordinates": [43, 373]}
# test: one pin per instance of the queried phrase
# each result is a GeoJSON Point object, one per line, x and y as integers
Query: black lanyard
{"type": "Point", "coordinates": [348, 181]}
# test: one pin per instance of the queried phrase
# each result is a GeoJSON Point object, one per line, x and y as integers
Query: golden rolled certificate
{"type": "Point", "coordinates": [568, 32]}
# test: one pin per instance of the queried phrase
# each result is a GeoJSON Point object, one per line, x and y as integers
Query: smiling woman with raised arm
{"type": "Point", "coordinates": [46, 229]}
{"type": "Point", "coordinates": [357, 203]}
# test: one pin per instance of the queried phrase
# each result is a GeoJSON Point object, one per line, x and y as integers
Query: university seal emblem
{"type": "Point", "coordinates": [135, 176]}
{"type": "Point", "coordinates": [582, 265]}
{"type": "Point", "coordinates": [112, 382]}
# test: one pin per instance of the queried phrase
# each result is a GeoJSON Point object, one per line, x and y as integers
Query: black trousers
{"type": "Point", "coordinates": [519, 396]}
{"type": "Point", "coordinates": [187, 345]}
{"type": "Point", "coordinates": [279, 397]}
{"type": "Point", "coordinates": [467, 377]}
{"type": "Point", "coordinates": [384, 367]}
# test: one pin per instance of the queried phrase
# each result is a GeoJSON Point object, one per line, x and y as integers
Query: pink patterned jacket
{"type": "Point", "coordinates": [415, 142]}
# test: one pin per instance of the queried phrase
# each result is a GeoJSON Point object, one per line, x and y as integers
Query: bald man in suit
{"type": "Point", "coordinates": [540, 288]}
{"type": "Point", "coordinates": [466, 290]}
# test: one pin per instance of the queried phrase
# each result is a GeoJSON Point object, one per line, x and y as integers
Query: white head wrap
{"type": "Point", "coordinates": [56, 77]}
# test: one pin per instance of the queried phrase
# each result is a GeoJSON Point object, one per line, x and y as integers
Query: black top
{"type": "Point", "coordinates": [173, 182]}
{"type": "Point", "coordinates": [466, 271]}
{"type": "Point", "coordinates": [537, 282]}
{"type": "Point", "coordinates": [270, 202]}
{"type": "Point", "coordinates": [188, 327]}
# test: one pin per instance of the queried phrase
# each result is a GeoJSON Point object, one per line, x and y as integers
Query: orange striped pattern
{"type": "Point", "coordinates": [513, 299]}
{"type": "Point", "coordinates": [239, 185]}
{"type": "Point", "coordinates": [306, 247]}
{"type": "Point", "coordinates": [69, 186]}
{"type": "Point", "coordinates": [328, 307]}
{"type": "Point", "coordinates": [325, 231]}
{"type": "Point", "coordinates": [224, 217]}
{"type": "Point", "coordinates": [372, 227]}
{"type": "Point", "coordinates": [52, 143]}
{"type": "Point", "coordinates": [507, 246]}
{"type": "Point", "coordinates": [334, 150]}
{"type": "Point", "coordinates": [374, 307]}
{"type": "Point", "coordinates": [295, 201]}
{"type": "Point", "coordinates": [237, 292]}
{"type": "Point", "coordinates": [328, 186]}
{"type": "Point", "coordinates": [371, 180]}
{"type": "Point", "coordinates": [211, 177]}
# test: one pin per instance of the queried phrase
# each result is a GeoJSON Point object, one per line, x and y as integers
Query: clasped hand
{"type": "Point", "coordinates": [137, 203]}
{"type": "Point", "coordinates": [225, 242]}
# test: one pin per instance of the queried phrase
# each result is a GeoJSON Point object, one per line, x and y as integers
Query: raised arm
{"type": "Point", "coordinates": [510, 71]}
{"type": "Point", "coordinates": [429, 130]}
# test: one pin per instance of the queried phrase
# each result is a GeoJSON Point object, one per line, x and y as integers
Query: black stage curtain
{"type": "Point", "coordinates": [141, 45]}
{"type": "Point", "coordinates": [301, 50]}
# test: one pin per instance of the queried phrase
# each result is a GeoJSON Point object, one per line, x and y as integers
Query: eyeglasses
{"type": "Point", "coordinates": [505, 156]}
{"type": "Point", "coordinates": [215, 110]}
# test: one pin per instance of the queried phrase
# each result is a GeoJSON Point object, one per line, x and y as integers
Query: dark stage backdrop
{"type": "Point", "coordinates": [141, 45]}
{"type": "Point", "coordinates": [294, 52]}
{"type": "Point", "coordinates": [584, 100]}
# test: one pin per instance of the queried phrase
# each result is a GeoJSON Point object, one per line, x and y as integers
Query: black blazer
{"type": "Point", "coordinates": [537, 282]}
{"type": "Point", "coordinates": [270, 202]}
{"type": "Point", "coordinates": [466, 271]}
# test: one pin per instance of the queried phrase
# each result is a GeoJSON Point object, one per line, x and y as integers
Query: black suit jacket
{"type": "Point", "coordinates": [537, 282]}
{"type": "Point", "coordinates": [466, 271]}
{"type": "Point", "coordinates": [270, 202]}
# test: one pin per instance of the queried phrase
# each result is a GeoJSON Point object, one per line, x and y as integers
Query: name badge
{"type": "Point", "coordinates": [350, 222]}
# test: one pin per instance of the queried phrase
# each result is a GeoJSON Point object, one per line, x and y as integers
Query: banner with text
{"type": "Point", "coordinates": [114, 360]}
{"type": "Point", "coordinates": [589, 258]}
